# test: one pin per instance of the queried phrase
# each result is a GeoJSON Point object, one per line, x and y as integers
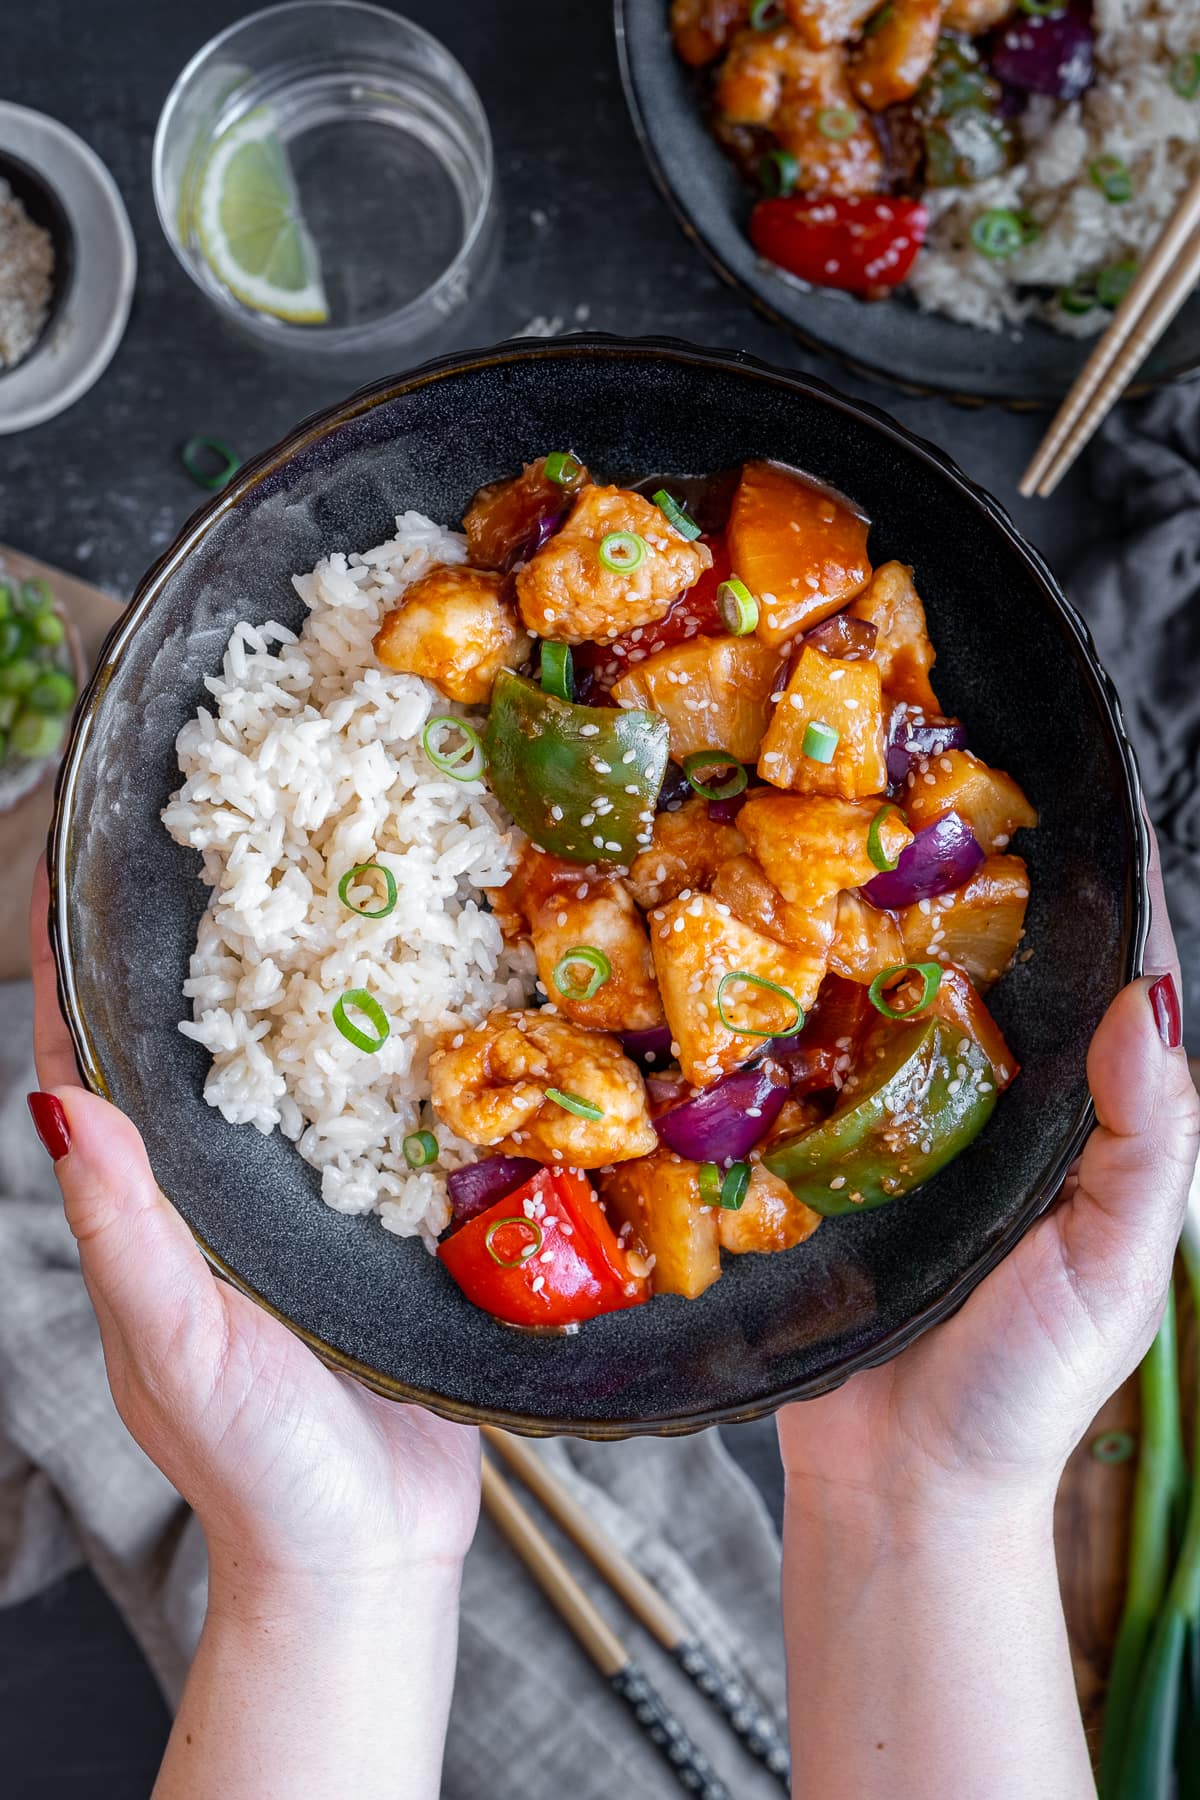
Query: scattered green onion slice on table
{"type": "Point", "coordinates": [558, 670]}
{"type": "Point", "coordinates": [527, 1250]}
{"type": "Point", "coordinates": [765, 15]}
{"type": "Point", "coordinates": [561, 467]}
{"type": "Point", "coordinates": [931, 981]}
{"type": "Point", "coordinates": [574, 1103]}
{"type": "Point", "coordinates": [734, 1186]}
{"type": "Point", "coordinates": [1113, 283]}
{"type": "Point", "coordinates": [770, 987]}
{"type": "Point", "coordinates": [451, 762]}
{"type": "Point", "coordinates": [676, 515]}
{"type": "Point", "coordinates": [820, 741]}
{"type": "Point", "coordinates": [694, 765]}
{"type": "Point", "coordinates": [420, 1149]}
{"type": "Point", "coordinates": [1111, 175]}
{"type": "Point", "coordinates": [737, 607]}
{"type": "Point", "coordinates": [368, 868]}
{"type": "Point", "coordinates": [197, 458]}
{"type": "Point", "coordinates": [875, 849]}
{"type": "Point", "coordinates": [591, 958]}
{"type": "Point", "coordinates": [1185, 75]}
{"type": "Point", "coordinates": [368, 1005]}
{"type": "Point", "coordinates": [778, 173]}
{"type": "Point", "coordinates": [998, 233]}
{"type": "Point", "coordinates": [837, 122]}
{"type": "Point", "coordinates": [1114, 1446]}
{"type": "Point", "coordinates": [622, 552]}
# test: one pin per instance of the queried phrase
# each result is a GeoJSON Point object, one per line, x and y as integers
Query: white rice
{"type": "Point", "coordinates": [311, 763]}
{"type": "Point", "coordinates": [1131, 111]}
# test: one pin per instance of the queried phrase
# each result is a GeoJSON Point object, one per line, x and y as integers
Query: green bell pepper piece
{"type": "Point", "coordinates": [908, 1114]}
{"type": "Point", "coordinates": [581, 781]}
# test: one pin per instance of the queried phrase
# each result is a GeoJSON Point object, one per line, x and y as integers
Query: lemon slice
{"type": "Point", "coordinates": [247, 219]}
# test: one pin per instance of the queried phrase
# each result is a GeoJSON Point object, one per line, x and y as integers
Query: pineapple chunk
{"type": "Point", "coordinates": [743, 887]}
{"type": "Point", "coordinates": [848, 696]}
{"type": "Point", "coordinates": [865, 941]}
{"type": "Point", "coordinates": [769, 1218]}
{"type": "Point", "coordinates": [696, 942]}
{"type": "Point", "coordinates": [902, 647]}
{"type": "Point", "coordinates": [812, 846]}
{"type": "Point", "coordinates": [892, 63]}
{"type": "Point", "coordinates": [989, 800]}
{"type": "Point", "coordinates": [714, 693]}
{"type": "Point", "coordinates": [799, 548]}
{"type": "Point", "coordinates": [656, 1201]}
{"type": "Point", "coordinates": [978, 927]}
{"type": "Point", "coordinates": [685, 851]}
{"type": "Point", "coordinates": [962, 1007]}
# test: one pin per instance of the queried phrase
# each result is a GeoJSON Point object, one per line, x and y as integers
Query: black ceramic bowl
{"type": "Point", "coordinates": [893, 341]}
{"type": "Point", "coordinates": [1013, 659]}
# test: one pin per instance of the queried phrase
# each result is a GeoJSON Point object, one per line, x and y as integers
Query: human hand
{"type": "Point", "coordinates": [299, 1476]}
{"type": "Point", "coordinates": [988, 1406]}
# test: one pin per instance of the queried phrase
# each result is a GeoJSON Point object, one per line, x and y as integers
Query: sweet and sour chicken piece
{"type": "Point", "coordinates": [774, 80]}
{"type": "Point", "coordinates": [894, 59]}
{"type": "Point", "coordinates": [567, 592]}
{"type": "Point", "coordinates": [825, 22]}
{"type": "Point", "coordinates": [564, 907]}
{"type": "Point", "coordinates": [702, 28]}
{"type": "Point", "coordinates": [976, 16]}
{"type": "Point", "coordinates": [455, 628]}
{"type": "Point", "coordinates": [811, 846]}
{"type": "Point", "coordinates": [686, 849]}
{"type": "Point", "coordinates": [489, 1085]}
{"type": "Point", "coordinates": [504, 516]}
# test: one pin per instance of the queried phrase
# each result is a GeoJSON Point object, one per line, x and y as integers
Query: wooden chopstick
{"type": "Point", "coordinates": [1140, 320]}
{"type": "Point", "coordinates": [692, 1768]}
{"type": "Point", "coordinates": [757, 1731]}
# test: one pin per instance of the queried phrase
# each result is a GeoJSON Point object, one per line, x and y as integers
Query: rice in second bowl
{"type": "Point", "coordinates": [312, 763]}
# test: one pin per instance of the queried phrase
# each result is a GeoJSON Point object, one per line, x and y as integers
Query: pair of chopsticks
{"type": "Point", "coordinates": [756, 1730]}
{"type": "Point", "coordinates": [1170, 273]}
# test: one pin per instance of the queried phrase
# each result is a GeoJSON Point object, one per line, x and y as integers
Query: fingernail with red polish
{"type": "Point", "coordinates": [50, 1123]}
{"type": "Point", "coordinates": [1164, 998]}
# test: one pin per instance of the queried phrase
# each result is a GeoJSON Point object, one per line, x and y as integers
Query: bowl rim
{"type": "Point", "coordinates": [523, 350]}
{"type": "Point", "coordinates": [810, 340]}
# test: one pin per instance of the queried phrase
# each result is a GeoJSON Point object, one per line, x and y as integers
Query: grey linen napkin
{"type": "Point", "coordinates": [1139, 589]}
{"type": "Point", "coordinates": [532, 1720]}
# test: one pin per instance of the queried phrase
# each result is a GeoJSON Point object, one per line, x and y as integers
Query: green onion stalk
{"type": "Point", "coordinates": [1162, 1719]}
{"type": "Point", "coordinates": [1159, 1496]}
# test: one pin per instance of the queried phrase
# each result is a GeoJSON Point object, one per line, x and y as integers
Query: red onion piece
{"type": "Point", "coordinates": [913, 734]}
{"type": "Point", "coordinates": [540, 533]}
{"type": "Point", "coordinates": [851, 640]}
{"type": "Point", "coordinates": [724, 812]}
{"type": "Point", "coordinates": [651, 1048]}
{"type": "Point", "coordinates": [1051, 55]}
{"type": "Point", "coordinates": [941, 857]}
{"type": "Point", "coordinates": [478, 1185]}
{"type": "Point", "coordinates": [716, 1125]}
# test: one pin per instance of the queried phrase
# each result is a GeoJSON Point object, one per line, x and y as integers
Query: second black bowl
{"type": "Point", "coordinates": [1014, 660]}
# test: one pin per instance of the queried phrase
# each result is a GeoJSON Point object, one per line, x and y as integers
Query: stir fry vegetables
{"type": "Point", "coordinates": [765, 881]}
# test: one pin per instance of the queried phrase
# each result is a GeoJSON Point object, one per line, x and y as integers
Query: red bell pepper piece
{"type": "Point", "coordinates": [831, 1038]}
{"type": "Point", "coordinates": [544, 1255]}
{"type": "Point", "coordinates": [862, 243]}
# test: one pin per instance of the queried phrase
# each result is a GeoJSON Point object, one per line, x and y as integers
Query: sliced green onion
{"type": "Point", "coordinates": [1111, 175]}
{"type": "Point", "coordinates": [527, 1250]}
{"type": "Point", "coordinates": [734, 1186]}
{"type": "Point", "coordinates": [875, 849]}
{"type": "Point", "coordinates": [1112, 284]}
{"type": "Point", "coordinates": [931, 980]}
{"type": "Point", "coordinates": [1031, 231]}
{"type": "Point", "coordinates": [708, 1176]}
{"type": "Point", "coordinates": [778, 173]}
{"type": "Point", "coordinates": [1044, 9]}
{"type": "Point", "coordinates": [450, 762]}
{"type": "Point", "coordinates": [558, 670]}
{"type": "Point", "coordinates": [820, 741]}
{"type": "Point", "coordinates": [593, 959]}
{"type": "Point", "coordinates": [878, 22]}
{"type": "Point", "coordinates": [837, 122]}
{"type": "Point", "coordinates": [765, 15]}
{"type": "Point", "coordinates": [196, 457]}
{"type": "Point", "coordinates": [1114, 1446]}
{"type": "Point", "coordinates": [714, 759]}
{"type": "Point", "coordinates": [1185, 75]}
{"type": "Point", "coordinates": [573, 1103]}
{"type": "Point", "coordinates": [35, 598]}
{"type": "Point", "coordinates": [369, 868]}
{"type": "Point", "coordinates": [998, 233]}
{"type": "Point", "coordinates": [675, 515]}
{"type": "Point", "coordinates": [420, 1149]}
{"type": "Point", "coordinates": [770, 987]}
{"type": "Point", "coordinates": [366, 1003]}
{"type": "Point", "coordinates": [737, 607]}
{"type": "Point", "coordinates": [622, 552]}
{"type": "Point", "coordinates": [1078, 299]}
{"type": "Point", "coordinates": [561, 467]}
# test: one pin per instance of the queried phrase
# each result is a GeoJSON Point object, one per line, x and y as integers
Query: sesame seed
{"type": "Point", "coordinates": [589, 731]}
{"type": "Point", "coordinates": [839, 1181]}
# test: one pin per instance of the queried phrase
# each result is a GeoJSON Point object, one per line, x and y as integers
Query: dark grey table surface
{"type": "Point", "coordinates": [100, 491]}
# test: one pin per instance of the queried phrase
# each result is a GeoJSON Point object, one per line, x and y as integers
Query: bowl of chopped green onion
{"type": "Point", "coordinates": [40, 673]}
